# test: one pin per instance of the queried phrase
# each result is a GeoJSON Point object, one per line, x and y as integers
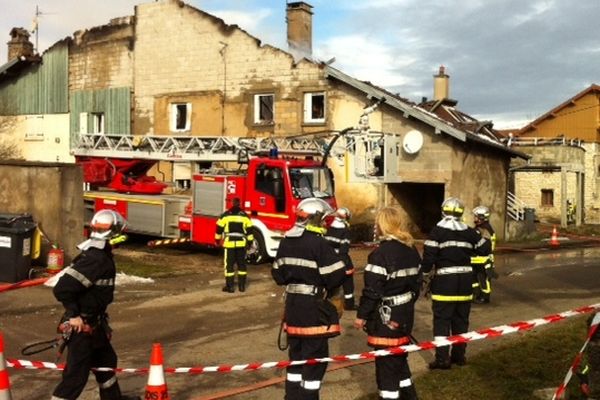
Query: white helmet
{"type": "Point", "coordinates": [312, 211]}
{"type": "Point", "coordinates": [106, 224]}
{"type": "Point", "coordinates": [343, 213]}
{"type": "Point", "coordinates": [482, 213]}
{"type": "Point", "coordinates": [452, 207]}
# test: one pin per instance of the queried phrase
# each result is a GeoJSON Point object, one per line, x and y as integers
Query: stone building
{"type": "Point", "coordinates": [564, 144]}
{"type": "Point", "coordinates": [172, 69]}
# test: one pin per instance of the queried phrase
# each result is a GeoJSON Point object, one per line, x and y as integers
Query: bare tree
{"type": "Point", "coordinates": [9, 150]}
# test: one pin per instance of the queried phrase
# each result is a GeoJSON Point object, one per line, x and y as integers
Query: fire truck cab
{"type": "Point", "coordinates": [269, 191]}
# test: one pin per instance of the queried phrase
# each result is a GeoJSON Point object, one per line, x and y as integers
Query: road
{"type": "Point", "coordinates": [197, 324]}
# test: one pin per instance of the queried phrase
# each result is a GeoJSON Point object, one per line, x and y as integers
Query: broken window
{"type": "Point", "coordinates": [97, 123]}
{"type": "Point", "coordinates": [263, 108]}
{"type": "Point", "coordinates": [314, 107]}
{"type": "Point", "coordinates": [181, 117]}
{"type": "Point", "coordinates": [547, 197]}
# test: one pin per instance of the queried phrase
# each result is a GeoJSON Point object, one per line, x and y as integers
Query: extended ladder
{"type": "Point", "coordinates": [192, 148]}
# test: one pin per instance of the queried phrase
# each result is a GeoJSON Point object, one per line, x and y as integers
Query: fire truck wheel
{"type": "Point", "coordinates": [257, 252]}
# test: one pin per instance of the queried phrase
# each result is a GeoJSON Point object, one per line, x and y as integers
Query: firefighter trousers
{"type": "Point", "coordinates": [87, 351]}
{"type": "Point", "coordinates": [450, 318]}
{"type": "Point", "coordinates": [304, 381]}
{"type": "Point", "coordinates": [482, 287]}
{"type": "Point", "coordinates": [393, 378]}
{"type": "Point", "coordinates": [233, 256]}
{"type": "Point", "coordinates": [348, 287]}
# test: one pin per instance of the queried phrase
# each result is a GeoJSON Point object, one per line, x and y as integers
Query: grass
{"type": "Point", "coordinates": [131, 266]}
{"type": "Point", "coordinates": [514, 370]}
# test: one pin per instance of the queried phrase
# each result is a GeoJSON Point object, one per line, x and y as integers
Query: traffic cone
{"type": "Point", "coordinates": [4, 382]}
{"type": "Point", "coordinates": [157, 386]}
{"type": "Point", "coordinates": [554, 238]}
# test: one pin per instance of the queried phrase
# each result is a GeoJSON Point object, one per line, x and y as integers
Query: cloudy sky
{"type": "Point", "coordinates": [508, 60]}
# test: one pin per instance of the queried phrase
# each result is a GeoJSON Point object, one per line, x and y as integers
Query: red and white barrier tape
{"type": "Point", "coordinates": [561, 389]}
{"type": "Point", "coordinates": [497, 331]}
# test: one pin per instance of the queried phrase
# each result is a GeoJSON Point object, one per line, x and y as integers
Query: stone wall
{"type": "Point", "coordinates": [52, 193]}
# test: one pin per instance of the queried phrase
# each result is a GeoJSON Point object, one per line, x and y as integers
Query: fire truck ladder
{"type": "Point", "coordinates": [191, 148]}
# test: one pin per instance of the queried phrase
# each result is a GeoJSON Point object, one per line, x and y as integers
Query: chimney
{"type": "Point", "coordinates": [441, 85]}
{"type": "Point", "coordinates": [19, 44]}
{"type": "Point", "coordinates": [299, 28]}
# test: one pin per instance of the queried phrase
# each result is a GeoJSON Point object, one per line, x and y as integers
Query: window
{"type": "Point", "coordinates": [97, 123]}
{"type": "Point", "coordinates": [181, 114]}
{"type": "Point", "coordinates": [314, 107]}
{"type": "Point", "coordinates": [263, 109]}
{"type": "Point", "coordinates": [547, 197]}
{"type": "Point", "coordinates": [311, 182]}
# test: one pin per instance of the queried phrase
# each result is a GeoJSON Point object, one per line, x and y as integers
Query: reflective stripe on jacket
{"type": "Point", "coordinates": [234, 226]}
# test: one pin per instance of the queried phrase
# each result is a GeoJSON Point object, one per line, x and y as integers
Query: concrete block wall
{"type": "Point", "coordinates": [52, 193]}
{"type": "Point", "coordinates": [181, 49]}
{"type": "Point", "coordinates": [98, 64]}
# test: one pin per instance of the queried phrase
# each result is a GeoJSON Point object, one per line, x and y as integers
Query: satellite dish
{"type": "Point", "coordinates": [412, 142]}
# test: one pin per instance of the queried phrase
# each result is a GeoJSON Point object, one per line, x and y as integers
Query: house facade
{"type": "Point", "coordinates": [565, 144]}
{"type": "Point", "coordinates": [172, 69]}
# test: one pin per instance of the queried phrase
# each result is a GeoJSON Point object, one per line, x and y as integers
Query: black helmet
{"type": "Point", "coordinates": [452, 207]}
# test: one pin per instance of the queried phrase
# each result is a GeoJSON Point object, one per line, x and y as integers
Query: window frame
{"type": "Point", "coordinates": [547, 197]}
{"type": "Point", "coordinates": [98, 122]}
{"type": "Point", "coordinates": [173, 116]}
{"type": "Point", "coordinates": [308, 107]}
{"type": "Point", "coordinates": [257, 120]}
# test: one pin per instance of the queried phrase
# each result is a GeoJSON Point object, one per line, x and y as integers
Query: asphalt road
{"type": "Point", "coordinates": [197, 324]}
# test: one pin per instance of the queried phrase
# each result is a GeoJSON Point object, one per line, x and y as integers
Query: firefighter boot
{"type": "Point", "coordinates": [349, 304]}
{"type": "Point", "coordinates": [113, 392]}
{"type": "Point", "coordinates": [228, 285]}
{"type": "Point", "coordinates": [242, 283]}
{"type": "Point", "coordinates": [408, 393]}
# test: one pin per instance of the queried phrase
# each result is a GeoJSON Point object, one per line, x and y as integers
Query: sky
{"type": "Point", "coordinates": [509, 61]}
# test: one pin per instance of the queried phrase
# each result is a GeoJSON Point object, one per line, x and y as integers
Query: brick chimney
{"type": "Point", "coordinates": [441, 85]}
{"type": "Point", "coordinates": [299, 28]}
{"type": "Point", "coordinates": [19, 44]}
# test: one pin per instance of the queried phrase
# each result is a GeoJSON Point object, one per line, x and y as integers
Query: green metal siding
{"type": "Point", "coordinates": [115, 103]}
{"type": "Point", "coordinates": [41, 88]}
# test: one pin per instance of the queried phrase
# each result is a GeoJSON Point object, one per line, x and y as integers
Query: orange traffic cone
{"type": "Point", "coordinates": [157, 386]}
{"type": "Point", "coordinates": [4, 382]}
{"type": "Point", "coordinates": [554, 238]}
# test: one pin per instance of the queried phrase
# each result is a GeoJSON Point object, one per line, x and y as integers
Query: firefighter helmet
{"type": "Point", "coordinates": [106, 224]}
{"type": "Point", "coordinates": [453, 207]}
{"type": "Point", "coordinates": [343, 213]}
{"type": "Point", "coordinates": [482, 213]}
{"type": "Point", "coordinates": [313, 211]}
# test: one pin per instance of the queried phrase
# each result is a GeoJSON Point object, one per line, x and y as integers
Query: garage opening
{"type": "Point", "coordinates": [421, 202]}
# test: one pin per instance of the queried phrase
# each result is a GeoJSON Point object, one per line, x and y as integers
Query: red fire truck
{"type": "Point", "coordinates": [270, 176]}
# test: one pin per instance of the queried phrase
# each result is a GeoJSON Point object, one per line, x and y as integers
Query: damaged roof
{"type": "Point", "coordinates": [16, 65]}
{"type": "Point", "coordinates": [458, 125]}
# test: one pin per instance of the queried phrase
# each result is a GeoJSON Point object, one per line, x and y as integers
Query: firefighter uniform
{"type": "Point", "coordinates": [308, 266]}
{"type": "Point", "coordinates": [338, 235]}
{"type": "Point", "coordinates": [85, 290]}
{"type": "Point", "coordinates": [234, 228]}
{"type": "Point", "coordinates": [483, 266]}
{"type": "Point", "coordinates": [447, 253]}
{"type": "Point", "coordinates": [392, 280]}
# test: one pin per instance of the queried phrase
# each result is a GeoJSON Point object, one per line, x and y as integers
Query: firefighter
{"type": "Point", "coordinates": [85, 290]}
{"type": "Point", "coordinates": [387, 304]}
{"type": "Point", "coordinates": [338, 235]}
{"type": "Point", "coordinates": [483, 266]}
{"type": "Point", "coordinates": [309, 268]}
{"type": "Point", "coordinates": [233, 228]}
{"type": "Point", "coordinates": [447, 255]}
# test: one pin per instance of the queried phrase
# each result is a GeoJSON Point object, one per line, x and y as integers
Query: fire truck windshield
{"type": "Point", "coordinates": [311, 182]}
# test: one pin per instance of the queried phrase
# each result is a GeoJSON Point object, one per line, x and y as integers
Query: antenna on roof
{"type": "Point", "coordinates": [35, 25]}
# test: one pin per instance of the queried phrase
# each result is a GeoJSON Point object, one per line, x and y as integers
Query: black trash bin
{"type": "Point", "coordinates": [16, 232]}
{"type": "Point", "coordinates": [529, 219]}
